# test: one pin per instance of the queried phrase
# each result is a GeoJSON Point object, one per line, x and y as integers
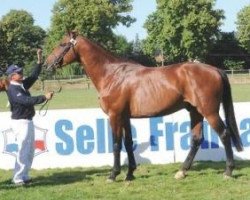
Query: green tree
{"type": "Point", "coordinates": [3, 51]}
{"type": "Point", "coordinates": [182, 29]}
{"type": "Point", "coordinates": [121, 46]}
{"type": "Point", "coordinates": [94, 19]}
{"type": "Point", "coordinates": [137, 45]}
{"type": "Point", "coordinates": [233, 65]}
{"type": "Point", "coordinates": [227, 53]}
{"type": "Point", "coordinates": [243, 27]}
{"type": "Point", "coordinates": [19, 38]}
{"type": "Point", "coordinates": [138, 55]}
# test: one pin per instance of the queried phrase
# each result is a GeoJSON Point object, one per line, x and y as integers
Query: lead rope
{"type": "Point", "coordinates": [42, 107]}
{"type": "Point", "coordinates": [47, 102]}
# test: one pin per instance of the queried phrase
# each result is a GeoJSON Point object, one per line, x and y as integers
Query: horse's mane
{"type": "Point", "coordinates": [104, 51]}
{"type": "Point", "coordinates": [94, 46]}
{"type": "Point", "coordinates": [100, 48]}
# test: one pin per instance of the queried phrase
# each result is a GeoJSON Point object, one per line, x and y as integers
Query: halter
{"type": "Point", "coordinates": [58, 59]}
{"type": "Point", "coordinates": [57, 62]}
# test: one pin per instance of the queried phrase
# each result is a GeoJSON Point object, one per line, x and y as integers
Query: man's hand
{"type": "Point", "coordinates": [39, 56]}
{"type": "Point", "coordinates": [49, 95]}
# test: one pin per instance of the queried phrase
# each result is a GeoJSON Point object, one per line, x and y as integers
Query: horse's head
{"type": "Point", "coordinates": [4, 83]}
{"type": "Point", "coordinates": [63, 54]}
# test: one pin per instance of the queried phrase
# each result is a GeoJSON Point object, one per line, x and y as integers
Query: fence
{"type": "Point", "coordinates": [72, 82]}
{"type": "Point", "coordinates": [239, 76]}
{"type": "Point", "coordinates": [83, 82]}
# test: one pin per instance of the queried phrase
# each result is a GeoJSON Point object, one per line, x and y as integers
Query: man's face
{"type": "Point", "coordinates": [18, 77]}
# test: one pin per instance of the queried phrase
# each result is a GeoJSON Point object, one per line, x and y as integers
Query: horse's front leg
{"type": "Point", "coordinates": [128, 142]}
{"type": "Point", "coordinates": [116, 125]}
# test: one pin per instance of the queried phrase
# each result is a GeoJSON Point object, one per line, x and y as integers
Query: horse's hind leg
{"type": "Point", "coordinates": [197, 138]}
{"type": "Point", "coordinates": [128, 142]}
{"type": "Point", "coordinates": [217, 124]}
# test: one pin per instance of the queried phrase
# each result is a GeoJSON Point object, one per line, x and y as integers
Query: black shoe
{"type": "Point", "coordinates": [28, 181]}
{"type": "Point", "coordinates": [20, 184]}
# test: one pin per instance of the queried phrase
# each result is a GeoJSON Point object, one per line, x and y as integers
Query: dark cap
{"type": "Point", "coordinates": [14, 69]}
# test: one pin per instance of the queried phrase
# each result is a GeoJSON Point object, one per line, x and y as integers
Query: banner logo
{"type": "Point", "coordinates": [11, 145]}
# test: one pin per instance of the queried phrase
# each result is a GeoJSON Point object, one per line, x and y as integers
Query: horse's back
{"type": "Point", "coordinates": [164, 90]}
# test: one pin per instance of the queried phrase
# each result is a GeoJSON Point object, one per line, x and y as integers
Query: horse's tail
{"type": "Point", "coordinates": [229, 112]}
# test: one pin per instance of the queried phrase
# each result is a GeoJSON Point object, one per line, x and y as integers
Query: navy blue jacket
{"type": "Point", "coordinates": [21, 102]}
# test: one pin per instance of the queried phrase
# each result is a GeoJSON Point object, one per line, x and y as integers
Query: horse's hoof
{"type": "Point", "coordinates": [129, 177]}
{"type": "Point", "coordinates": [180, 175]}
{"type": "Point", "coordinates": [227, 176]}
{"type": "Point", "coordinates": [110, 180]}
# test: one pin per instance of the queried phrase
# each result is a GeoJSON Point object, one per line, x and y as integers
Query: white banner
{"type": "Point", "coordinates": [82, 138]}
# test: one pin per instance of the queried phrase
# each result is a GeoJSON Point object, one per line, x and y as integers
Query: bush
{"type": "Point", "coordinates": [234, 65]}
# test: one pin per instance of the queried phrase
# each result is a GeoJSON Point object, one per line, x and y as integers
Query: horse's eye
{"type": "Point", "coordinates": [62, 45]}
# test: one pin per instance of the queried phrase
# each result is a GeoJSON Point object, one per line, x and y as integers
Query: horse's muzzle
{"type": "Point", "coordinates": [48, 67]}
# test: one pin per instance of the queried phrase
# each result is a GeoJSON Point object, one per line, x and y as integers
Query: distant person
{"type": "Point", "coordinates": [22, 112]}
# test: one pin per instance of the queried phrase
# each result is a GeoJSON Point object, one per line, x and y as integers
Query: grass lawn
{"type": "Point", "coordinates": [241, 92]}
{"type": "Point", "coordinates": [204, 182]}
{"type": "Point", "coordinates": [66, 99]}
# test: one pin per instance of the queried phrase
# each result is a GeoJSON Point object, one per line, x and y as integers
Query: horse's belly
{"type": "Point", "coordinates": [154, 107]}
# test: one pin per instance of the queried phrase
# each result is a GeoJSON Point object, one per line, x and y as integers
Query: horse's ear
{"type": "Point", "coordinates": [73, 34]}
{"type": "Point", "coordinates": [68, 32]}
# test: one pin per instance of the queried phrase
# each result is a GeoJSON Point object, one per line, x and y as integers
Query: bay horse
{"type": "Point", "coordinates": [3, 84]}
{"type": "Point", "coordinates": [130, 90]}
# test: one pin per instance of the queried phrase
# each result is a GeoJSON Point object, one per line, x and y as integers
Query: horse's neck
{"type": "Point", "coordinates": [95, 60]}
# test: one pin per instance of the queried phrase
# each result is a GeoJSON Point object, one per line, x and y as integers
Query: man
{"type": "Point", "coordinates": [22, 112]}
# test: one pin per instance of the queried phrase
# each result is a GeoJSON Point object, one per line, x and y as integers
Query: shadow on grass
{"type": "Point", "coordinates": [203, 167]}
{"type": "Point", "coordinates": [53, 177]}
{"type": "Point", "coordinates": [63, 177]}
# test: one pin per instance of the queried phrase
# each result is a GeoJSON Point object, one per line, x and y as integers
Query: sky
{"type": "Point", "coordinates": [41, 12]}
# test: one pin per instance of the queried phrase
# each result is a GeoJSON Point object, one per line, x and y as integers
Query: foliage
{"type": "Point", "coordinates": [227, 52]}
{"type": "Point", "coordinates": [19, 38]}
{"type": "Point", "coordinates": [233, 65]}
{"type": "Point", "coordinates": [243, 27]}
{"type": "Point", "coordinates": [121, 46]}
{"type": "Point", "coordinates": [70, 70]}
{"type": "Point", "coordinates": [137, 45]}
{"type": "Point", "coordinates": [182, 29]}
{"type": "Point", "coordinates": [138, 55]}
{"type": "Point", "coordinates": [94, 19]}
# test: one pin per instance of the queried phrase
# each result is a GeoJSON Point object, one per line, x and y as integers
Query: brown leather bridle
{"type": "Point", "coordinates": [58, 59]}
